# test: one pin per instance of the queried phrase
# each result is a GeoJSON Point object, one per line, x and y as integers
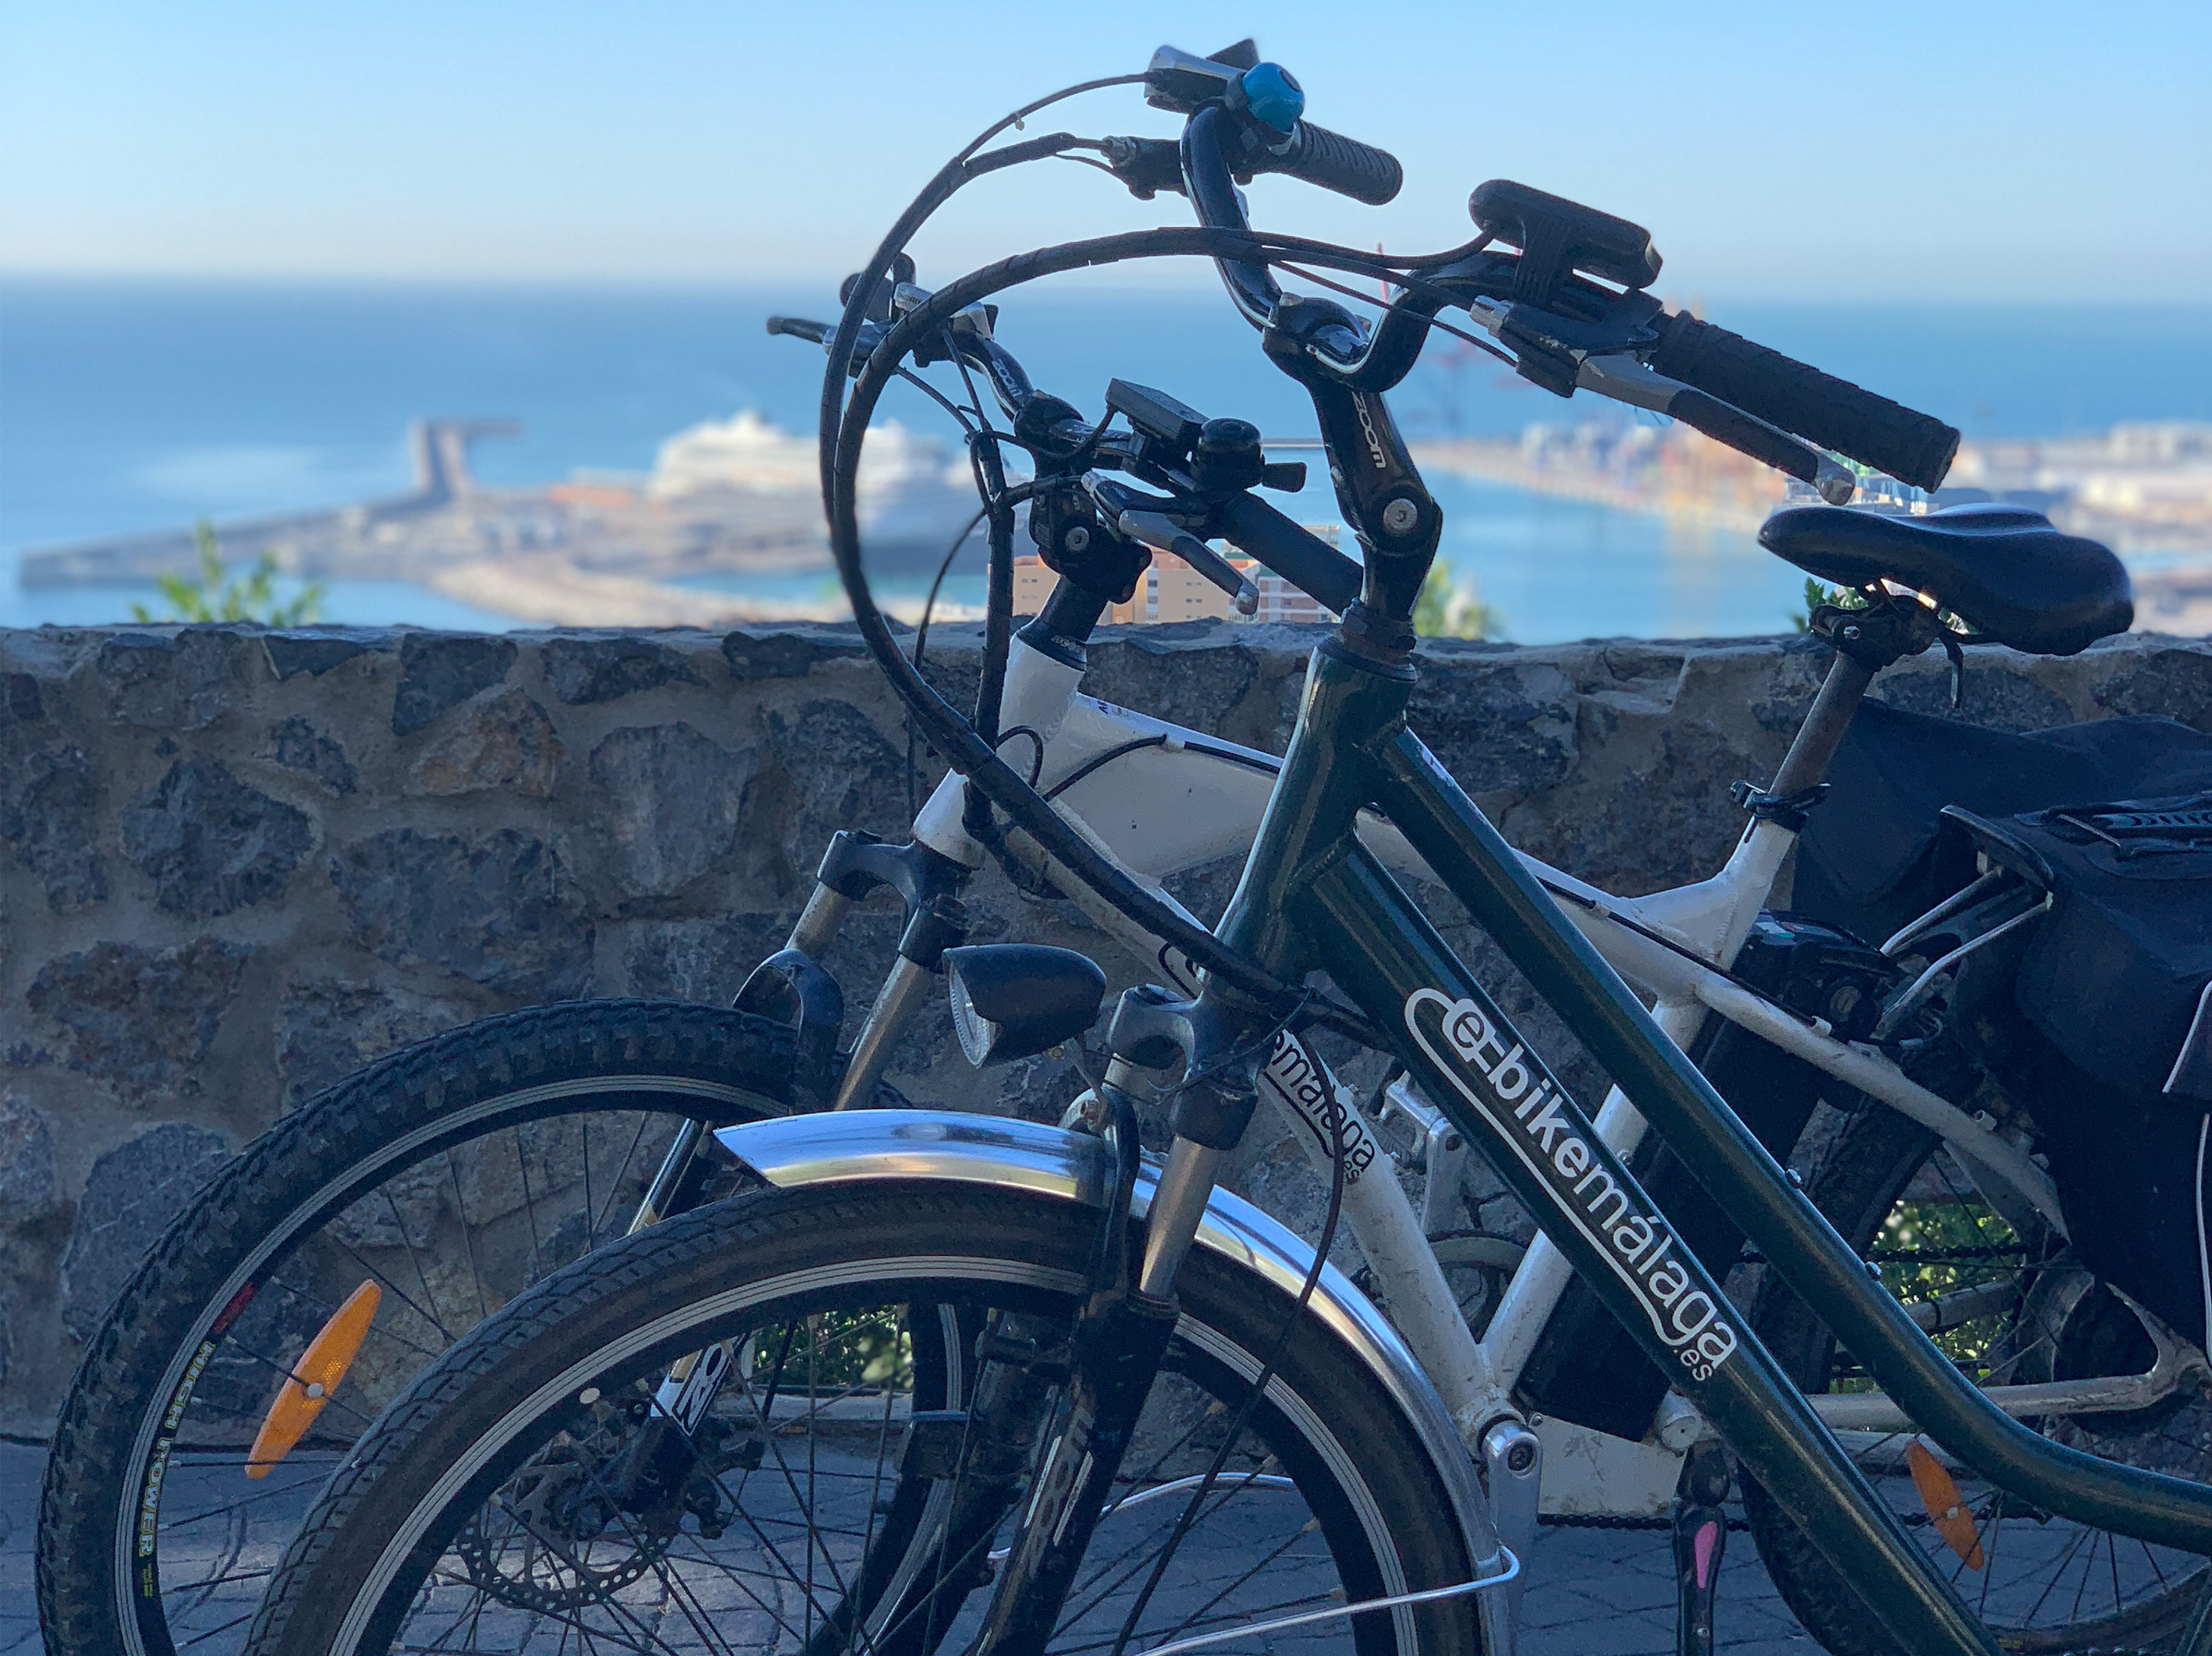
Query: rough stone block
{"type": "Point", "coordinates": [504, 743]}
{"type": "Point", "coordinates": [51, 812]}
{"type": "Point", "coordinates": [756, 656]}
{"type": "Point", "coordinates": [675, 798]}
{"type": "Point", "coordinates": [180, 681]}
{"type": "Point", "coordinates": [29, 1189]}
{"type": "Point", "coordinates": [133, 1192]}
{"type": "Point", "coordinates": [582, 671]}
{"type": "Point", "coordinates": [211, 843]}
{"type": "Point", "coordinates": [1158, 670]}
{"type": "Point", "coordinates": [327, 1030]}
{"type": "Point", "coordinates": [499, 909]}
{"type": "Point", "coordinates": [1505, 730]}
{"type": "Point", "coordinates": [844, 770]}
{"type": "Point", "coordinates": [2173, 678]}
{"type": "Point", "coordinates": [439, 670]}
{"type": "Point", "coordinates": [140, 1020]}
{"type": "Point", "coordinates": [701, 960]}
{"type": "Point", "coordinates": [297, 745]}
{"type": "Point", "coordinates": [1997, 694]}
{"type": "Point", "coordinates": [316, 651]}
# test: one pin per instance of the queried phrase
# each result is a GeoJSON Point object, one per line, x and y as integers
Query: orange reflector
{"type": "Point", "coordinates": [315, 1377]}
{"type": "Point", "coordinates": [1947, 1506]}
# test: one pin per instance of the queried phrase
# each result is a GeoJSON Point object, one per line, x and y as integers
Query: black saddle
{"type": "Point", "coordinates": [2003, 569]}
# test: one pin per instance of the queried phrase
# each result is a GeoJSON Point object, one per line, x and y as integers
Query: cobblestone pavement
{"type": "Point", "coordinates": [20, 1468]}
{"type": "Point", "coordinates": [1611, 1592]}
{"type": "Point", "coordinates": [1591, 1593]}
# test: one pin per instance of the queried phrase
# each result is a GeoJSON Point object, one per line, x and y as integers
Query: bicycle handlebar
{"type": "Point", "coordinates": [1915, 448]}
{"type": "Point", "coordinates": [1333, 162]}
{"type": "Point", "coordinates": [1300, 557]}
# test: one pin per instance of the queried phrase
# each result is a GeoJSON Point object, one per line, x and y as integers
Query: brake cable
{"type": "Point", "coordinates": [1436, 322]}
{"type": "Point", "coordinates": [953, 735]}
{"type": "Point", "coordinates": [958, 739]}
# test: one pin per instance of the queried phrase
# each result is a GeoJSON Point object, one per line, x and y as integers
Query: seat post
{"type": "Point", "coordinates": [1822, 732]}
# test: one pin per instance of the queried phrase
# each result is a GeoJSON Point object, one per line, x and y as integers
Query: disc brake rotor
{"type": "Point", "coordinates": [551, 1538]}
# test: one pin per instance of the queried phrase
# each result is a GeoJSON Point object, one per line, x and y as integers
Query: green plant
{"type": "Point", "coordinates": [1817, 592]}
{"type": "Point", "coordinates": [1445, 609]}
{"type": "Point", "coordinates": [215, 594]}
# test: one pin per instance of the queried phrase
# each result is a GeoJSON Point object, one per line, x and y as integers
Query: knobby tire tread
{"type": "Point", "coordinates": [579, 1307]}
{"type": "Point", "coordinates": [288, 1167]}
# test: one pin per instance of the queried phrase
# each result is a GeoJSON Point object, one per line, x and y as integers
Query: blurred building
{"type": "Point", "coordinates": [1172, 590]}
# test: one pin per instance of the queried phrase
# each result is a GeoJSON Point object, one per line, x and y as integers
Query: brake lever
{"type": "Point", "coordinates": [1145, 165]}
{"type": "Point", "coordinates": [1561, 367]}
{"type": "Point", "coordinates": [823, 333]}
{"type": "Point", "coordinates": [1163, 534]}
{"type": "Point", "coordinates": [1135, 517]}
{"type": "Point", "coordinates": [1626, 380]}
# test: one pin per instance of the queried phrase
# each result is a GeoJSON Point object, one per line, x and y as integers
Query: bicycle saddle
{"type": "Point", "coordinates": [2003, 569]}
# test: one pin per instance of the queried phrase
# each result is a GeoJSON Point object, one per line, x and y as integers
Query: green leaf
{"type": "Point", "coordinates": [214, 596]}
{"type": "Point", "coordinates": [1442, 610]}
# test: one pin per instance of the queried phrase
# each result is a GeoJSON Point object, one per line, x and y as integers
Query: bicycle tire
{"type": "Point", "coordinates": [526, 1071]}
{"type": "Point", "coordinates": [2061, 1587]}
{"type": "Point", "coordinates": [503, 1411]}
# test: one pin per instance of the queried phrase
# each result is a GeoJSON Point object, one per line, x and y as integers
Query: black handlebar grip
{"type": "Point", "coordinates": [1301, 558]}
{"type": "Point", "coordinates": [800, 327]}
{"type": "Point", "coordinates": [1336, 162]}
{"type": "Point", "coordinates": [1915, 448]}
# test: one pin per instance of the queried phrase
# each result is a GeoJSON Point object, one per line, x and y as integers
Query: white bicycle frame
{"type": "Point", "coordinates": [1159, 799]}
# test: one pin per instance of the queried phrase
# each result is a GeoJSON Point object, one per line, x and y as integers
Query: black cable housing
{"type": "Point", "coordinates": [844, 432]}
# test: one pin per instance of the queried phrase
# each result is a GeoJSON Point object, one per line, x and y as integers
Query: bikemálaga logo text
{"type": "Point", "coordinates": [1528, 1106]}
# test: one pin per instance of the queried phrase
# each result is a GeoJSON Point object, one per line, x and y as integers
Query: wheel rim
{"type": "Point", "coordinates": [796, 1528]}
{"type": "Point", "coordinates": [450, 1222]}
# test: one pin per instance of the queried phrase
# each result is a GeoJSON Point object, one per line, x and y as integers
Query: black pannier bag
{"type": "Point", "coordinates": [2108, 984]}
{"type": "Point", "coordinates": [2116, 979]}
{"type": "Point", "coordinates": [1875, 854]}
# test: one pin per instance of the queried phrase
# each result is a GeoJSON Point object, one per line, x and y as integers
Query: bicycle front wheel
{"type": "Point", "coordinates": [427, 1190]}
{"type": "Point", "coordinates": [498, 1505]}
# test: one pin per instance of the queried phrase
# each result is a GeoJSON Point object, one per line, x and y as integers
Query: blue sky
{"type": "Point", "coordinates": [2001, 151]}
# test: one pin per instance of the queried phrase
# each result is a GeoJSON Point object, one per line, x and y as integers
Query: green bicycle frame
{"type": "Point", "coordinates": [1312, 898]}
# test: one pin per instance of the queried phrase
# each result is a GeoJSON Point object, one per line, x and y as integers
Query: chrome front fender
{"type": "Point", "coordinates": [855, 1146]}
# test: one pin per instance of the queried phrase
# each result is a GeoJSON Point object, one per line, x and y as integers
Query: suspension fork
{"type": "Point", "coordinates": [661, 1455]}
{"type": "Point", "coordinates": [1122, 1334]}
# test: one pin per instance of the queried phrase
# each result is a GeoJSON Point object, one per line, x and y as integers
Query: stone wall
{"type": "Point", "coordinates": [236, 863]}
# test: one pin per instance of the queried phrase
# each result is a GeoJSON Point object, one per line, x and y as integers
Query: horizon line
{"type": "Point", "coordinates": [1203, 286]}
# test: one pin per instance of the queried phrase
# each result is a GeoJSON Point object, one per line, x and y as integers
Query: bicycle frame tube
{"type": "Point", "coordinates": [1175, 799]}
{"type": "Point", "coordinates": [1481, 869]}
{"type": "Point", "coordinates": [1311, 897]}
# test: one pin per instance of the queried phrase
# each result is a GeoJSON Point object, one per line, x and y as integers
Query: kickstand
{"type": "Point", "coordinates": [1700, 1536]}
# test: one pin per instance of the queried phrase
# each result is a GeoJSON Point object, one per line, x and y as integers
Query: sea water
{"type": "Point", "coordinates": [128, 406]}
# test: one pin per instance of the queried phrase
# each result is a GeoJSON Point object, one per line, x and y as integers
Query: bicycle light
{"type": "Point", "coordinates": [1014, 1000]}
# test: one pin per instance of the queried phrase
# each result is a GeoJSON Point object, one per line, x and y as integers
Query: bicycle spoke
{"type": "Point", "coordinates": [614, 1187]}
{"type": "Point", "coordinates": [591, 1227]}
{"type": "Point", "coordinates": [261, 1494]}
{"type": "Point", "coordinates": [530, 1212]}
{"type": "Point", "coordinates": [413, 1258]}
{"type": "Point", "coordinates": [469, 1234]}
